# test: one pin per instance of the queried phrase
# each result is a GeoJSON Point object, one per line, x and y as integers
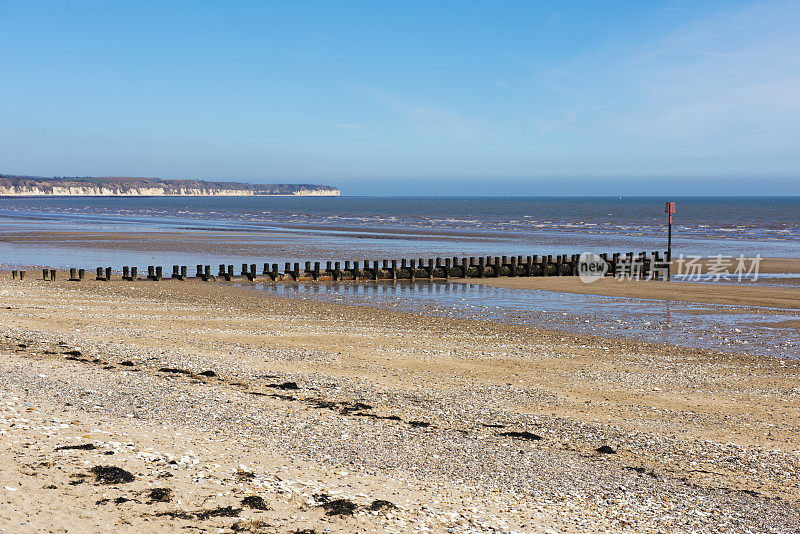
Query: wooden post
{"type": "Point", "coordinates": [315, 274]}
{"type": "Point", "coordinates": [394, 270]}
{"type": "Point", "coordinates": [207, 273]}
{"type": "Point", "coordinates": [126, 272]}
{"type": "Point", "coordinates": [45, 274]}
{"type": "Point", "coordinates": [183, 272]}
{"type": "Point", "coordinates": [412, 266]}
{"type": "Point", "coordinates": [14, 274]}
{"type": "Point", "coordinates": [287, 269]}
{"type": "Point", "coordinates": [73, 273]}
{"type": "Point", "coordinates": [108, 273]}
{"type": "Point", "coordinates": [513, 266]}
{"type": "Point", "coordinates": [375, 270]}
{"type": "Point", "coordinates": [199, 271]}
{"type": "Point", "coordinates": [82, 274]}
{"type": "Point", "coordinates": [22, 275]}
{"type": "Point", "coordinates": [481, 264]}
{"type": "Point", "coordinates": [99, 273]}
{"type": "Point", "coordinates": [151, 272]}
{"type": "Point", "coordinates": [175, 272]}
{"type": "Point", "coordinates": [337, 271]}
{"type": "Point", "coordinates": [52, 275]}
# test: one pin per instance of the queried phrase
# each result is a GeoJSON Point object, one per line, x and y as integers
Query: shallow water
{"type": "Point", "coordinates": [728, 328]}
{"type": "Point", "coordinates": [280, 229]}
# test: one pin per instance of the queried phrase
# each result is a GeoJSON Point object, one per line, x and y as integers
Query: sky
{"type": "Point", "coordinates": [409, 98]}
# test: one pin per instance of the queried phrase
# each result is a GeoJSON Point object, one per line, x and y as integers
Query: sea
{"type": "Point", "coordinates": [86, 232]}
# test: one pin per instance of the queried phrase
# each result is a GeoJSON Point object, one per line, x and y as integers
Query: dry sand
{"type": "Point", "coordinates": [355, 405]}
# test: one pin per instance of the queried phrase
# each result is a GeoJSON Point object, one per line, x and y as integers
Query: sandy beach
{"type": "Point", "coordinates": [350, 419]}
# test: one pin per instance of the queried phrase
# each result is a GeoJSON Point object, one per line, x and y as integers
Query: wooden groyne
{"type": "Point", "coordinates": [641, 265]}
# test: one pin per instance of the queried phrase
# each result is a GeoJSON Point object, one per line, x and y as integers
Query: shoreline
{"type": "Point", "coordinates": [690, 417]}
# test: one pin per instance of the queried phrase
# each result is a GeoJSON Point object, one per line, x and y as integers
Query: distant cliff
{"type": "Point", "coordinates": [120, 186]}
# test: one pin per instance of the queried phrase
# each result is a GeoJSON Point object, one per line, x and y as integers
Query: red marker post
{"type": "Point", "coordinates": [670, 209]}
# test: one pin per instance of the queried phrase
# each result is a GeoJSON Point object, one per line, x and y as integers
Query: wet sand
{"type": "Point", "coordinates": [311, 402]}
{"type": "Point", "coordinates": [712, 293]}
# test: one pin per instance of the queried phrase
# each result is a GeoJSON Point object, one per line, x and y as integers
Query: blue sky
{"type": "Point", "coordinates": [408, 97]}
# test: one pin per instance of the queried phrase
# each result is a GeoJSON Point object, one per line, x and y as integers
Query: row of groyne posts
{"type": "Point", "coordinates": [635, 266]}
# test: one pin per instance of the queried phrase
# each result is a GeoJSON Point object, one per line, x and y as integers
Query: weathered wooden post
{"type": "Point", "coordinates": [134, 273]}
{"type": "Point", "coordinates": [45, 274]}
{"type": "Point", "coordinates": [221, 271]}
{"type": "Point", "coordinates": [244, 269]}
{"type": "Point", "coordinates": [513, 266]}
{"type": "Point", "coordinates": [252, 275]}
{"type": "Point", "coordinates": [199, 271]}
{"type": "Point", "coordinates": [206, 273]}
{"type": "Point", "coordinates": [464, 268]}
{"type": "Point", "coordinates": [100, 275]}
{"type": "Point", "coordinates": [22, 275]}
{"type": "Point", "coordinates": [287, 269]}
{"type": "Point", "coordinates": [274, 274]}
{"type": "Point", "coordinates": [176, 274]}
{"type": "Point", "coordinates": [151, 272]}
{"type": "Point", "coordinates": [159, 272]}
{"type": "Point", "coordinates": [413, 267]}
{"type": "Point", "coordinates": [229, 274]}
{"type": "Point", "coordinates": [337, 271]}
{"type": "Point", "coordinates": [81, 274]}
{"type": "Point", "coordinates": [14, 274]}
{"type": "Point", "coordinates": [447, 268]}
{"type": "Point", "coordinates": [183, 272]}
{"type": "Point", "coordinates": [315, 273]}
{"type": "Point", "coordinates": [126, 272]}
{"type": "Point", "coordinates": [52, 275]}
{"type": "Point", "coordinates": [394, 270]}
{"type": "Point", "coordinates": [296, 271]}
{"type": "Point", "coordinates": [73, 274]}
{"type": "Point", "coordinates": [481, 267]}
{"type": "Point", "coordinates": [108, 273]}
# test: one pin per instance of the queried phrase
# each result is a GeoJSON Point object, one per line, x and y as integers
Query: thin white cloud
{"type": "Point", "coordinates": [427, 118]}
{"type": "Point", "coordinates": [351, 125]}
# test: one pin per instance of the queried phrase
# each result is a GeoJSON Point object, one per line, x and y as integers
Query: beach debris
{"type": "Point", "coordinates": [379, 505]}
{"type": "Point", "coordinates": [176, 514]}
{"type": "Point", "coordinates": [118, 500]}
{"type": "Point", "coordinates": [254, 526]}
{"type": "Point", "coordinates": [419, 424]}
{"type": "Point", "coordinates": [605, 449]}
{"type": "Point", "coordinates": [255, 502]}
{"type": "Point", "coordinates": [209, 374]}
{"type": "Point", "coordinates": [127, 363]}
{"type": "Point", "coordinates": [109, 474]}
{"type": "Point", "coordinates": [175, 371]}
{"type": "Point", "coordinates": [522, 435]}
{"type": "Point", "coordinates": [81, 447]}
{"type": "Point", "coordinates": [339, 507]}
{"type": "Point", "coordinates": [159, 495]}
{"type": "Point", "coordinates": [284, 385]}
{"type": "Point", "coordinates": [222, 511]}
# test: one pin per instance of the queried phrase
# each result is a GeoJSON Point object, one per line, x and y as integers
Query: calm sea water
{"type": "Point", "coordinates": [367, 227]}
